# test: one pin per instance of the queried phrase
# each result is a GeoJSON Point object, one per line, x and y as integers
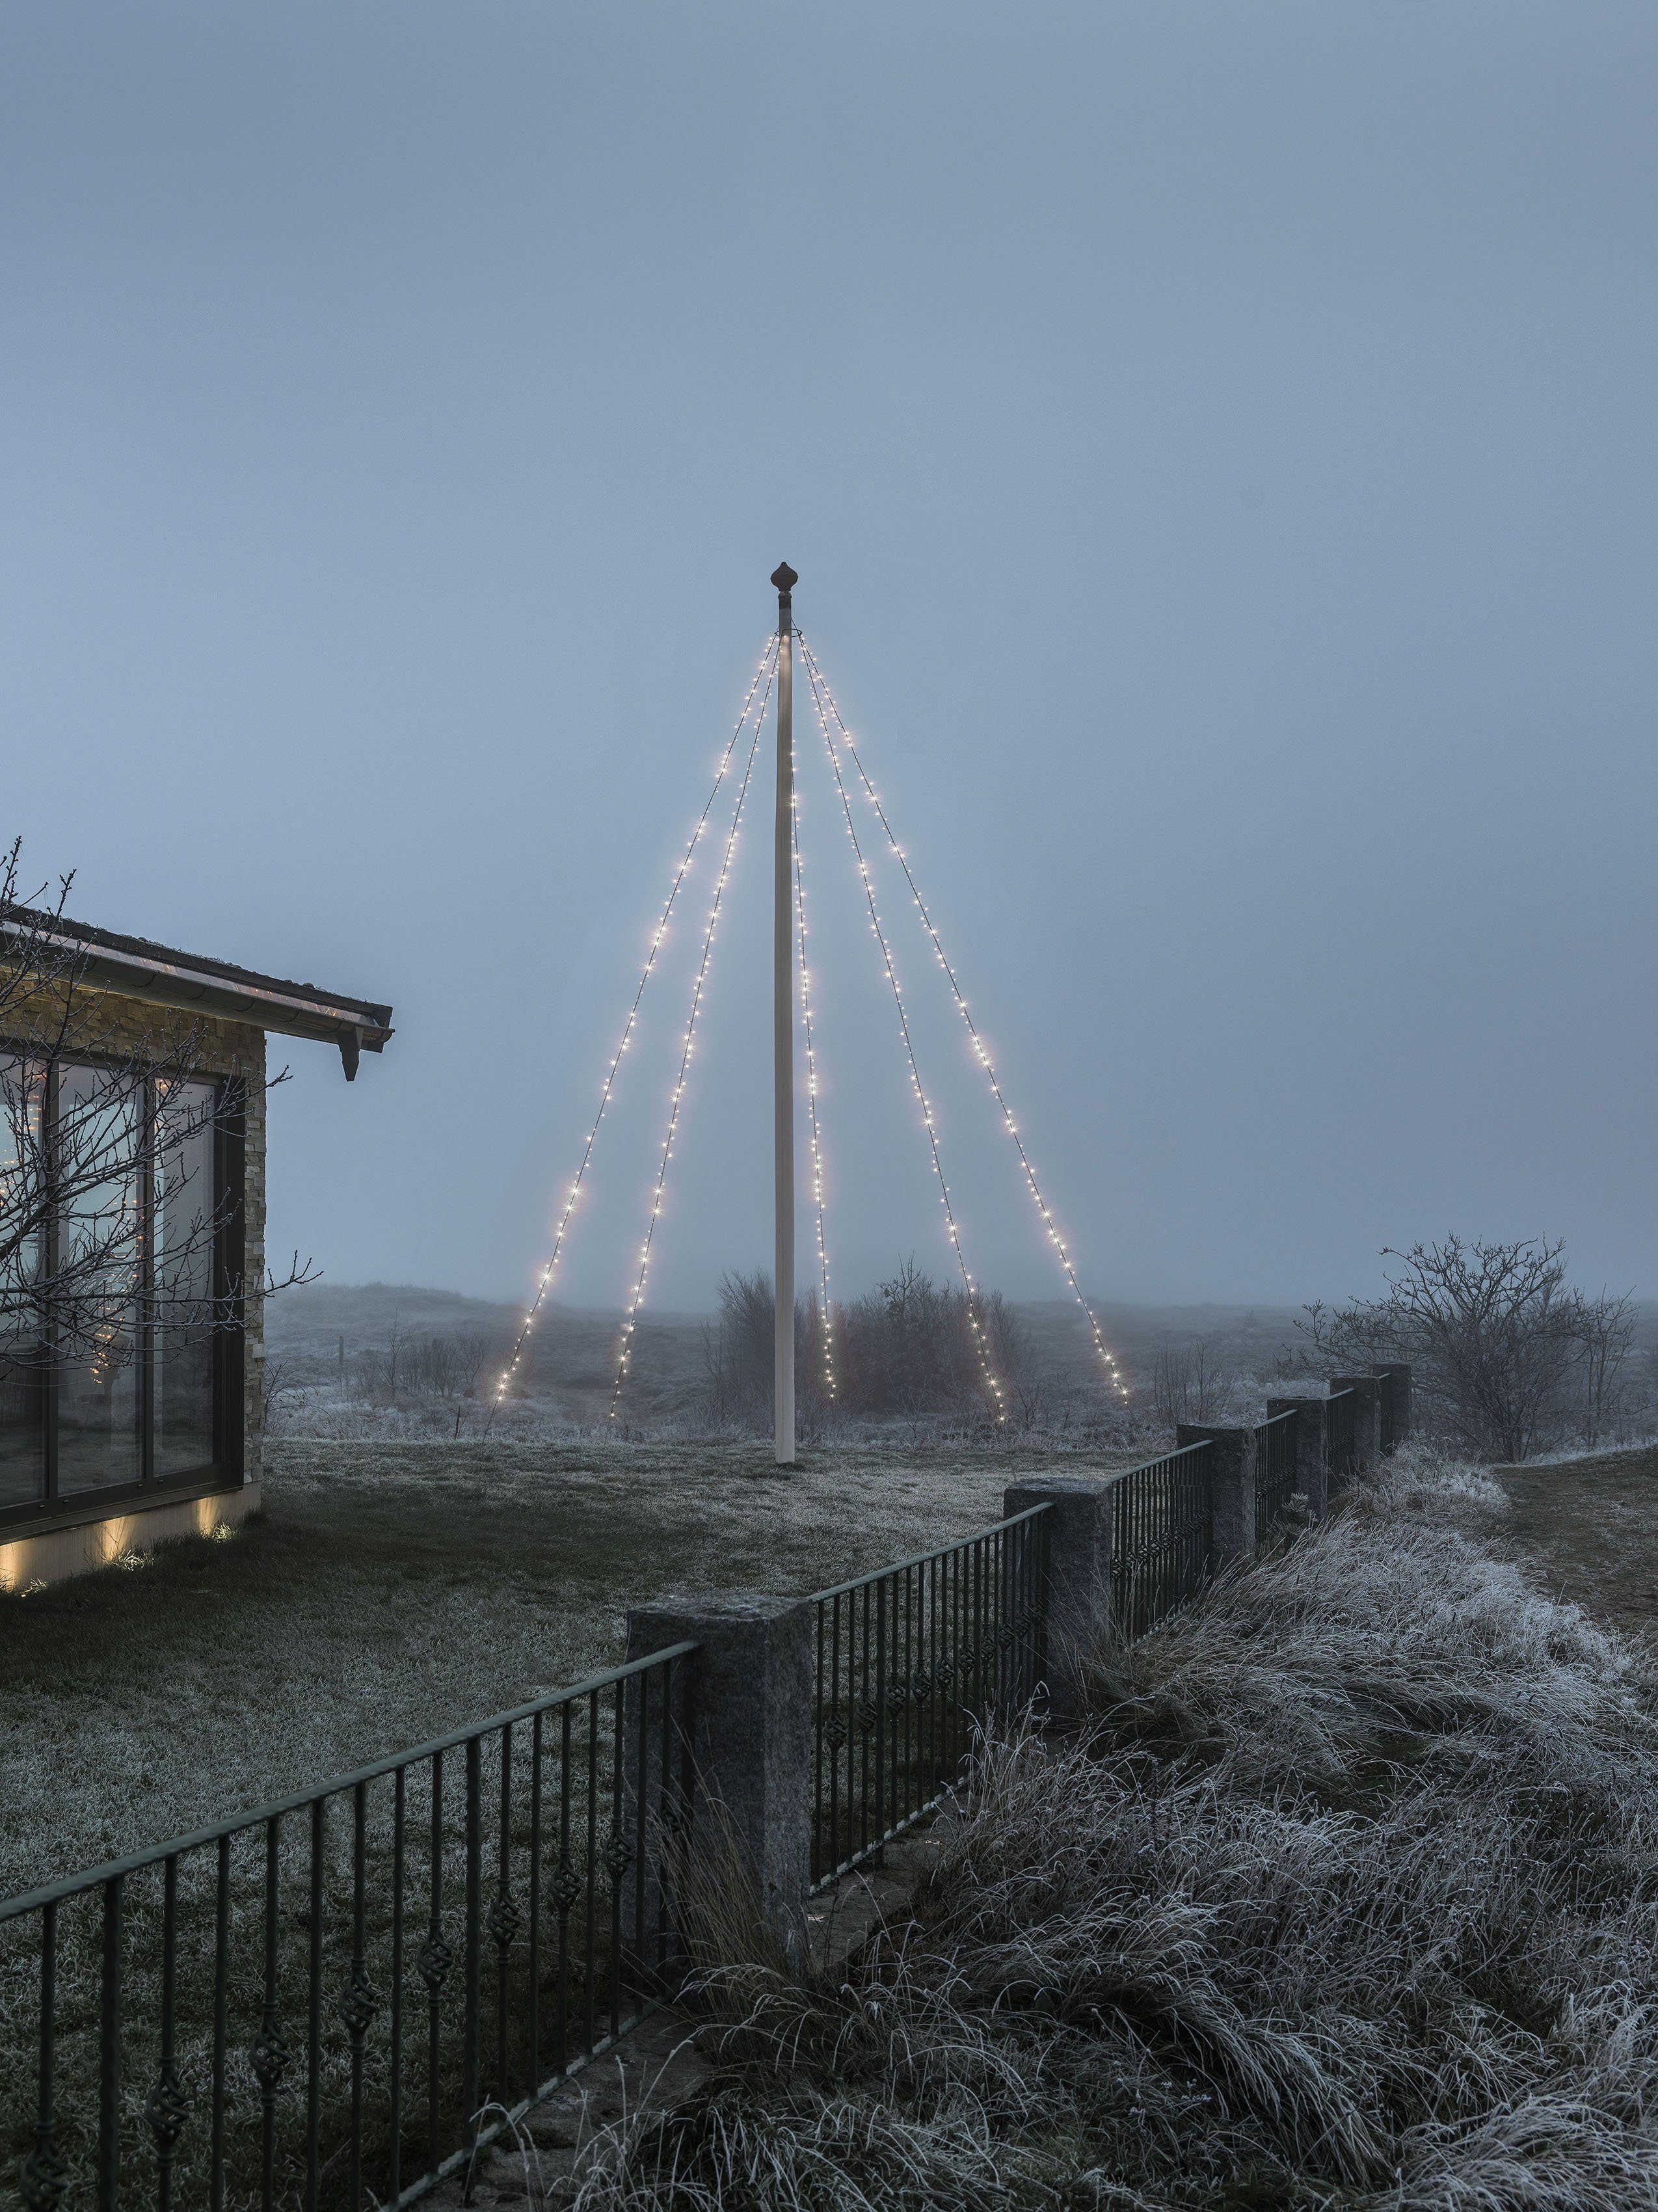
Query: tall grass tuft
{"type": "Point", "coordinates": [1344, 1896]}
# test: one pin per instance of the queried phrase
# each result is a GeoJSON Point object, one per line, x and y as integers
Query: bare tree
{"type": "Point", "coordinates": [1494, 1336]}
{"type": "Point", "coordinates": [1606, 1330]}
{"type": "Point", "coordinates": [1190, 1381]}
{"type": "Point", "coordinates": [107, 1195]}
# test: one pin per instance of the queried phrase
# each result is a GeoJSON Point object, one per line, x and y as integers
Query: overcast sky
{"type": "Point", "coordinates": [1216, 443]}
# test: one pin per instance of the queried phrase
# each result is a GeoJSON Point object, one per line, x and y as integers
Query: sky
{"type": "Point", "coordinates": [1216, 443]}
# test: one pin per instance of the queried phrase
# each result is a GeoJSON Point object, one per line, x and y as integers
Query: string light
{"type": "Point", "coordinates": [764, 672]}
{"type": "Point", "coordinates": [826, 1323]}
{"type": "Point", "coordinates": [994, 1391]}
{"type": "Point", "coordinates": [677, 1094]}
{"type": "Point", "coordinates": [1050, 1227]}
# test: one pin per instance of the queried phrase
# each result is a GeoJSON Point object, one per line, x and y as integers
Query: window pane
{"type": "Point", "coordinates": [186, 1210]}
{"type": "Point", "coordinates": [100, 1252]}
{"type": "Point", "coordinates": [22, 1444]}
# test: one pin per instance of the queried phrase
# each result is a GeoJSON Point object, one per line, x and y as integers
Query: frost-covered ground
{"type": "Point", "coordinates": [390, 1592]}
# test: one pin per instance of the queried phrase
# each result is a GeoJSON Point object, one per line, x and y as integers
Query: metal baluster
{"type": "Point", "coordinates": [394, 2184]}
{"type": "Point", "coordinates": [473, 1939]}
{"type": "Point", "coordinates": [669, 1824]}
{"type": "Point", "coordinates": [221, 2022]}
{"type": "Point", "coordinates": [881, 1707]}
{"type": "Point", "coordinates": [268, 2055]}
{"type": "Point", "coordinates": [639, 1696]}
{"type": "Point", "coordinates": [313, 2035]}
{"type": "Point", "coordinates": [358, 2002]}
{"type": "Point", "coordinates": [589, 2001]}
{"type": "Point", "coordinates": [567, 1887]}
{"type": "Point", "coordinates": [532, 2028]}
{"type": "Point", "coordinates": [165, 2108]}
{"type": "Point", "coordinates": [45, 2177]}
{"type": "Point", "coordinates": [816, 1863]}
{"type": "Point", "coordinates": [504, 1919]}
{"type": "Point", "coordinates": [434, 1959]}
{"type": "Point", "coordinates": [838, 1735]}
{"type": "Point", "coordinates": [109, 2053]}
{"type": "Point", "coordinates": [866, 1718]}
{"type": "Point", "coordinates": [616, 1855]}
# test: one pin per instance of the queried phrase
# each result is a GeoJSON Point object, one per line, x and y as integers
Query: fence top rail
{"type": "Point", "coordinates": [1336, 1395]}
{"type": "Point", "coordinates": [78, 1884]}
{"type": "Point", "coordinates": [1162, 1459]}
{"type": "Point", "coordinates": [925, 1558]}
{"type": "Point", "coordinates": [1273, 1419]}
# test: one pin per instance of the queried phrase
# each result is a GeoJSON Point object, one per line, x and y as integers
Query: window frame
{"type": "Point", "coordinates": [225, 1468]}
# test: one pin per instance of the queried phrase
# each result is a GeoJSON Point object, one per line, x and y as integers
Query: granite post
{"type": "Point", "coordinates": [1079, 1577]}
{"type": "Point", "coordinates": [745, 1716]}
{"type": "Point", "coordinates": [1231, 1488]}
{"type": "Point", "coordinates": [1312, 1463]}
{"type": "Point", "coordinates": [1366, 1415]}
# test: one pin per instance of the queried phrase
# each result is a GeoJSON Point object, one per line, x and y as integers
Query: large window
{"type": "Point", "coordinates": [118, 1321]}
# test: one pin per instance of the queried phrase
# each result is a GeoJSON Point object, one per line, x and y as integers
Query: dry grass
{"type": "Point", "coordinates": [1346, 1899]}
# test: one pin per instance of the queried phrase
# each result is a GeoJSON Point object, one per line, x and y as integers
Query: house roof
{"type": "Point", "coordinates": [137, 968]}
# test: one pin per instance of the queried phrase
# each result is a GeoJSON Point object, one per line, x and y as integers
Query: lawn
{"type": "Point", "coordinates": [1592, 1526]}
{"type": "Point", "coordinates": [390, 1592]}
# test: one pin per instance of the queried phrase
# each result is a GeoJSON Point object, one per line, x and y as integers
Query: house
{"type": "Point", "coordinates": [132, 1151]}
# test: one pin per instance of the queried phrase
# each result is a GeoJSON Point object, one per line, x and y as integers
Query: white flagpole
{"type": "Point", "coordinates": [783, 988]}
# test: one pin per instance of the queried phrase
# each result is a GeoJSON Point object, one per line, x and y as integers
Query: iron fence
{"type": "Point", "coordinates": [332, 2000]}
{"type": "Point", "coordinates": [909, 1660]}
{"type": "Point", "coordinates": [1339, 1444]}
{"type": "Point", "coordinates": [1161, 1538]}
{"type": "Point", "coordinates": [1276, 1469]}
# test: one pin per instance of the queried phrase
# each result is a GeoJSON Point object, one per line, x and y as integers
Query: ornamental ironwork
{"type": "Point", "coordinates": [359, 2002]}
{"type": "Point", "coordinates": [434, 1959]}
{"type": "Point", "coordinates": [504, 1920]}
{"type": "Point", "coordinates": [167, 2109]}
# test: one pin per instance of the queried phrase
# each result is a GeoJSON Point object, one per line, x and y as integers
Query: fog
{"type": "Point", "coordinates": [1216, 446]}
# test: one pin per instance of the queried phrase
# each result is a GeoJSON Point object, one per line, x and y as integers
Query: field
{"type": "Point", "coordinates": [1592, 1526]}
{"type": "Point", "coordinates": [390, 1592]}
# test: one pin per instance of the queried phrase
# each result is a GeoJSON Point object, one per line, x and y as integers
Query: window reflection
{"type": "Point", "coordinates": [22, 1434]}
{"type": "Point", "coordinates": [185, 1216]}
{"type": "Point", "coordinates": [111, 1379]}
{"type": "Point", "coordinates": [99, 1259]}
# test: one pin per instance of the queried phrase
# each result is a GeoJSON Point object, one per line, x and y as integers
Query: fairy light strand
{"type": "Point", "coordinates": [764, 672]}
{"type": "Point", "coordinates": [1050, 1227]}
{"type": "Point", "coordinates": [676, 1095]}
{"type": "Point", "coordinates": [831, 1388]}
{"type": "Point", "coordinates": [994, 1391]}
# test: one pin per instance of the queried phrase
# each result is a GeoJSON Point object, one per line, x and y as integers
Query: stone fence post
{"type": "Point", "coordinates": [1312, 1459]}
{"type": "Point", "coordinates": [1366, 1415]}
{"type": "Point", "coordinates": [1079, 1577]}
{"type": "Point", "coordinates": [1231, 1488]}
{"type": "Point", "coordinates": [746, 1715]}
{"type": "Point", "coordinates": [1399, 1373]}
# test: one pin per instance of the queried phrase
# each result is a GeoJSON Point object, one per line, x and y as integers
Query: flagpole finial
{"type": "Point", "coordinates": [784, 578]}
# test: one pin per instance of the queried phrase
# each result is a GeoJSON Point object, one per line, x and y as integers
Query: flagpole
{"type": "Point", "coordinates": [783, 988]}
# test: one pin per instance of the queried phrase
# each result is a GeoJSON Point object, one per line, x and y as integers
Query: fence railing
{"type": "Point", "coordinates": [314, 2003]}
{"type": "Point", "coordinates": [1161, 1538]}
{"type": "Point", "coordinates": [1339, 1444]}
{"type": "Point", "coordinates": [1276, 1470]}
{"type": "Point", "coordinates": [908, 1661]}
{"type": "Point", "coordinates": [334, 2000]}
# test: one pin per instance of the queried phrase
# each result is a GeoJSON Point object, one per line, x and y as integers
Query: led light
{"type": "Point", "coordinates": [826, 1325]}
{"type": "Point", "coordinates": [993, 1388]}
{"type": "Point", "coordinates": [825, 702]}
{"type": "Point", "coordinates": [764, 672]}
{"type": "Point", "coordinates": [678, 1091]}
